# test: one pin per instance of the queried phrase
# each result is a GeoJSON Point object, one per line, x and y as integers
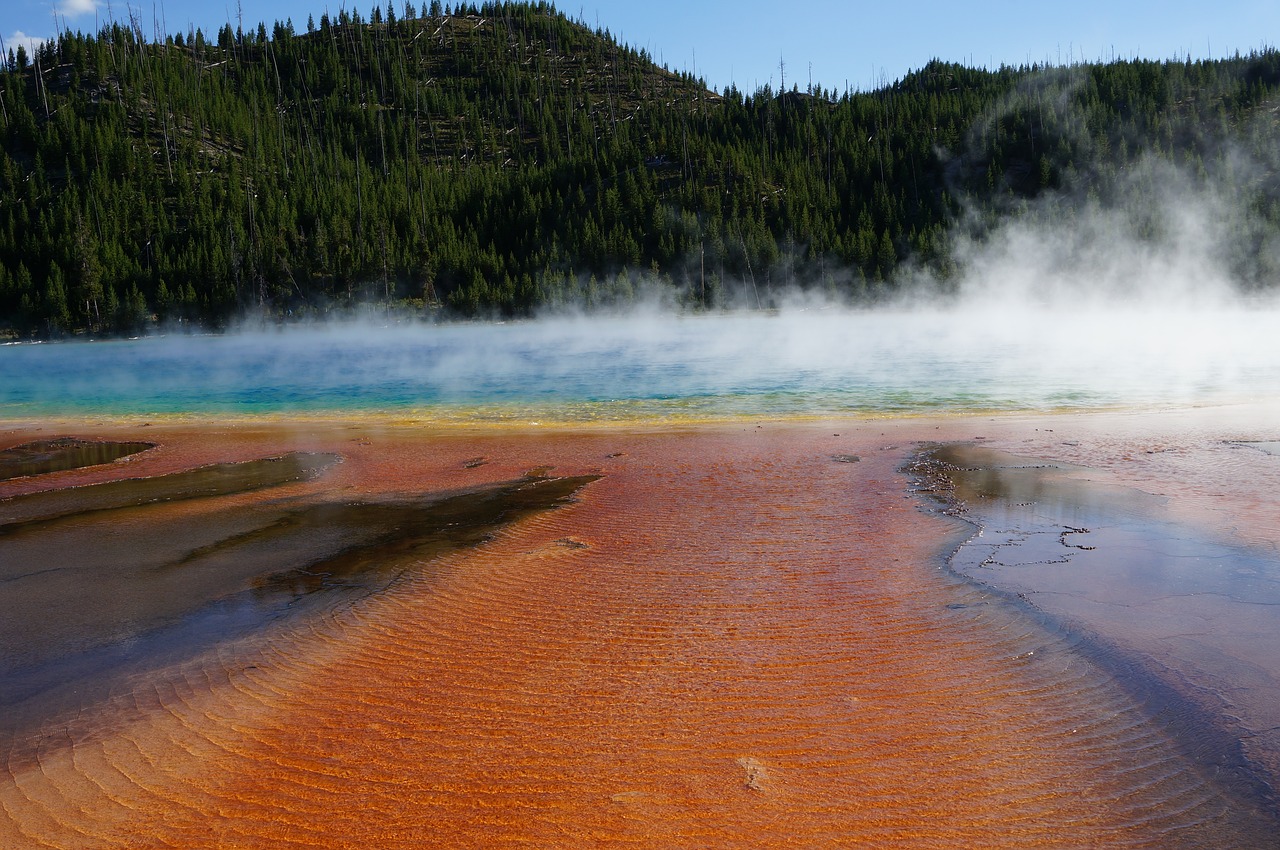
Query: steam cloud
{"type": "Point", "coordinates": [1161, 293]}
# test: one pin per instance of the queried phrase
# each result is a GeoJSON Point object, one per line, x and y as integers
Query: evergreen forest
{"type": "Point", "coordinates": [499, 159]}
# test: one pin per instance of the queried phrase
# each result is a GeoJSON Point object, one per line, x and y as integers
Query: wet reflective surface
{"type": "Point", "coordinates": [113, 579]}
{"type": "Point", "coordinates": [731, 636]}
{"type": "Point", "coordinates": [1270, 447]}
{"type": "Point", "coordinates": [1189, 621]}
{"type": "Point", "coordinates": [43, 456]}
{"type": "Point", "coordinates": [30, 511]}
{"type": "Point", "coordinates": [800, 361]}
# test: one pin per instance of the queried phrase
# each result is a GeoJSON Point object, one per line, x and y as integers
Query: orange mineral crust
{"type": "Point", "coordinates": [736, 636]}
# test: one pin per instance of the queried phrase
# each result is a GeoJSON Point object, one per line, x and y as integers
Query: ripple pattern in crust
{"type": "Point", "coordinates": [747, 645]}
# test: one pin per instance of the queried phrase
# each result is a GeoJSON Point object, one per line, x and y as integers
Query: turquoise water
{"type": "Point", "coordinates": [796, 363]}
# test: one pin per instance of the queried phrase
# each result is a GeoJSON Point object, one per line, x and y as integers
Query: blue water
{"type": "Point", "coordinates": [799, 363]}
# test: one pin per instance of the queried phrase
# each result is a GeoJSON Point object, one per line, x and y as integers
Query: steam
{"type": "Point", "coordinates": [1099, 263]}
{"type": "Point", "coordinates": [1138, 306]}
{"type": "Point", "coordinates": [801, 360]}
{"type": "Point", "coordinates": [1162, 293]}
{"type": "Point", "coordinates": [1173, 247]}
{"type": "Point", "coordinates": [1159, 291]}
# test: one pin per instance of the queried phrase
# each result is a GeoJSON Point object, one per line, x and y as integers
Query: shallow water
{"type": "Point", "coordinates": [30, 512]}
{"type": "Point", "coordinates": [1270, 447]}
{"type": "Point", "coordinates": [127, 577]}
{"type": "Point", "coordinates": [1191, 621]}
{"type": "Point", "coordinates": [738, 635]}
{"type": "Point", "coordinates": [796, 363]}
{"type": "Point", "coordinates": [43, 456]}
{"type": "Point", "coordinates": [733, 637]}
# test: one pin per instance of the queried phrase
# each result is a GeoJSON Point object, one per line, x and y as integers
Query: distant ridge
{"type": "Point", "coordinates": [502, 158]}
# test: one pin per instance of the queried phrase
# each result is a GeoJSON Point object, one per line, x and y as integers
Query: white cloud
{"type": "Point", "coordinates": [74, 8]}
{"type": "Point", "coordinates": [29, 42]}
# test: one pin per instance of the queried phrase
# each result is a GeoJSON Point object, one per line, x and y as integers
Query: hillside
{"type": "Point", "coordinates": [504, 157]}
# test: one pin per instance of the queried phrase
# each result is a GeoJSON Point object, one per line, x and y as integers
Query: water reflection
{"type": "Point", "coordinates": [110, 580]}
{"type": "Point", "coordinates": [220, 479]}
{"type": "Point", "coordinates": [1190, 625]}
{"type": "Point", "coordinates": [1270, 447]}
{"type": "Point", "coordinates": [43, 456]}
{"type": "Point", "coordinates": [796, 362]}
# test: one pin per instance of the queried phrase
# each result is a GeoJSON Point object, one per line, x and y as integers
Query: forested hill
{"type": "Point", "coordinates": [502, 157]}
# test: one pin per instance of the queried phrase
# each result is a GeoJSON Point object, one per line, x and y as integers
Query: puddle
{"type": "Point", "coordinates": [115, 579]}
{"type": "Point", "coordinates": [1188, 625]}
{"type": "Point", "coordinates": [24, 512]}
{"type": "Point", "coordinates": [62, 453]}
{"type": "Point", "coordinates": [1271, 447]}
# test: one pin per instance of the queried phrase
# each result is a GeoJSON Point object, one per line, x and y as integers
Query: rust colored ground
{"type": "Point", "coordinates": [736, 637]}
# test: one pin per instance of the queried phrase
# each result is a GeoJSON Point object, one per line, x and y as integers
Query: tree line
{"type": "Point", "coordinates": [496, 159]}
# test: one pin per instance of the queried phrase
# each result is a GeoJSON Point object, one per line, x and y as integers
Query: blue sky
{"type": "Point", "coordinates": [836, 44]}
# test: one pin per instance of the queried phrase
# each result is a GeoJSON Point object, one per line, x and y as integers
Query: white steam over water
{"type": "Point", "coordinates": [1118, 307]}
{"type": "Point", "coordinates": [796, 361]}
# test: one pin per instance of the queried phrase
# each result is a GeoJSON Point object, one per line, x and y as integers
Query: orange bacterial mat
{"type": "Point", "coordinates": [735, 636]}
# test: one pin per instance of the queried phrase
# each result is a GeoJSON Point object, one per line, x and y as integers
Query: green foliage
{"type": "Point", "coordinates": [499, 158]}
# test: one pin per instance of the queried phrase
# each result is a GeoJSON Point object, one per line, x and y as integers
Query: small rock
{"type": "Point", "coordinates": [756, 773]}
